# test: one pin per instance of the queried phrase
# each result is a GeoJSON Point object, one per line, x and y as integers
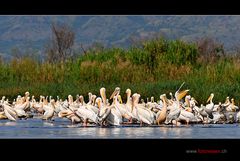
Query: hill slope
{"type": "Point", "coordinates": [34, 31]}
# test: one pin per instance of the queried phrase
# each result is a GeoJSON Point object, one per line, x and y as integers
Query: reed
{"type": "Point", "coordinates": [155, 67]}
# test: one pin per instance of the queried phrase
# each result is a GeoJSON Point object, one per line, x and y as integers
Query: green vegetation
{"type": "Point", "coordinates": [157, 66]}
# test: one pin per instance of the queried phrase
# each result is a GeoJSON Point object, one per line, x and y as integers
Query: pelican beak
{"type": "Point", "coordinates": [120, 99]}
{"type": "Point", "coordinates": [209, 98]}
{"type": "Point", "coordinates": [113, 94]}
{"type": "Point", "coordinates": [98, 104]}
{"type": "Point", "coordinates": [195, 101]}
{"type": "Point", "coordinates": [182, 94]}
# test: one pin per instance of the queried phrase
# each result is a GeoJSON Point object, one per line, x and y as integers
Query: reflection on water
{"type": "Point", "coordinates": [36, 128]}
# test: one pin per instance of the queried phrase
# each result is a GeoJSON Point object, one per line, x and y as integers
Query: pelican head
{"type": "Point", "coordinates": [163, 96]}
{"type": "Point", "coordinates": [116, 91]}
{"type": "Point", "coordinates": [102, 90]}
{"type": "Point", "coordinates": [188, 97]}
{"type": "Point", "coordinates": [232, 100]}
{"type": "Point", "coordinates": [152, 99]}
{"type": "Point", "coordinates": [70, 98]}
{"type": "Point", "coordinates": [27, 93]}
{"type": "Point", "coordinates": [98, 101]}
{"type": "Point", "coordinates": [210, 97]}
{"type": "Point", "coordinates": [128, 90]}
{"type": "Point", "coordinates": [194, 100]}
{"type": "Point", "coordinates": [89, 95]}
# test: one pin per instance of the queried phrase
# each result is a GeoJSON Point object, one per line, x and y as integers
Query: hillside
{"type": "Point", "coordinates": [34, 31]}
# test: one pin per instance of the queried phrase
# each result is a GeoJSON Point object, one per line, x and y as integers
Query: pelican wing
{"type": "Point", "coordinates": [10, 113]}
{"type": "Point", "coordinates": [145, 115]}
{"type": "Point", "coordinates": [114, 117]}
{"type": "Point", "coordinates": [86, 114]}
{"type": "Point", "coordinates": [187, 115]}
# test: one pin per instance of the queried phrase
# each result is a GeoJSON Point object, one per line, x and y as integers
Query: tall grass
{"type": "Point", "coordinates": [157, 66]}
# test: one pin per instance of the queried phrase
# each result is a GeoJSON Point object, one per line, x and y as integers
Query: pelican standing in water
{"type": "Point", "coordinates": [9, 112]}
{"type": "Point", "coordinates": [175, 108]}
{"type": "Point", "coordinates": [119, 106]}
{"type": "Point", "coordinates": [162, 114]}
{"type": "Point", "coordinates": [49, 110]}
{"type": "Point", "coordinates": [104, 109]}
{"type": "Point", "coordinates": [209, 107]}
{"type": "Point", "coordinates": [143, 114]}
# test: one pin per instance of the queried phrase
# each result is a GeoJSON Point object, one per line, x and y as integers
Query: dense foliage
{"type": "Point", "coordinates": [155, 67]}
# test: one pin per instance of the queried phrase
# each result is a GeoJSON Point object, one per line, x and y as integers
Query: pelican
{"type": "Point", "coordinates": [227, 102]}
{"type": "Point", "coordinates": [144, 115]}
{"type": "Point", "coordinates": [70, 115]}
{"type": "Point", "coordinates": [89, 98]}
{"type": "Point", "coordinates": [115, 117]}
{"type": "Point", "coordinates": [103, 111]}
{"type": "Point", "coordinates": [161, 115]}
{"type": "Point", "coordinates": [187, 116]}
{"type": "Point", "coordinates": [82, 102]}
{"type": "Point", "coordinates": [72, 105]}
{"type": "Point", "coordinates": [38, 106]}
{"type": "Point", "coordinates": [87, 112]}
{"type": "Point", "coordinates": [187, 104]}
{"type": "Point", "coordinates": [9, 112]}
{"type": "Point", "coordinates": [175, 108]}
{"type": "Point", "coordinates": [209, 107]}
{"type": "Point", "coordinates": [109, 114]}
{"type": "Point", "coordinates": [49, 110]}
{"type": "Point", "coordinates": [232, 106]}
{"type": "Point", "coordinates": [94, 100]}
{"type": "Point", "coordinates": [119, 106]}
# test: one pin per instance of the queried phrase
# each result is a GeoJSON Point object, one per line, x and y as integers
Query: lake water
{"type": "Point", "coordinates": [62, 128]}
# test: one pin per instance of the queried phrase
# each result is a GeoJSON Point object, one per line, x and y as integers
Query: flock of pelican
{"type": "Point", "coordinates": [175, 110]}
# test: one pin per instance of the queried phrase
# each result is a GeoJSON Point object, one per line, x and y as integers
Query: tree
{"type": "Point", "coordinates": [210, 49]}
{"type": "Point", "coordinates": [60, 47]}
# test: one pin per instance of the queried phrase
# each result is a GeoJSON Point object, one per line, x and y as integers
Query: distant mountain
{"type": "Point", "coordinates": [34, 31]}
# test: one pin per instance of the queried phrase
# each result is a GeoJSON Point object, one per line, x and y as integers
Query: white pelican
{"type": "Point", "coordinates": [187, 116]}
{"type": "Point", "coordinates": [226, 103]}
{"type": "Point", "coordinates": [94, 99]}
{"type": "Point", "coordinates": [20, 108]}
{"type": "Point", "coordinates": [175, 108]}
{"type": "Point", "coordinates": [49, 110]}
{"type": "Point", "coordinates": [70, 115]}
{"type": "Point", "coordinates": [82, 102]}
{"type": "Point", "coordinates": [10, 112]}
{"type": "Point", "coordinates": [209, 107]}
{"type": "Point", "coordinates": [187, 104]}
{"type": "Point", "coordinates": [109, 114]}
{"type": "Point", "coordinates": [121, 107]}
{"type": "Point", "coordinates": [232, 106]}
{"type": "Point", "coordinates": [87, 112]}
{"type": "Point", "coordinates": [162, 114]}
{"type": "Point", "coordinates": [38, 106]}
{"type": "Point", "coordinates": [103, 111]}
{"type": "Point", "coordinates": [71, 104]}
{"type": "Point", "coordinates": [89, 98]}
{"type": "Point", "coordinates": [143, 114]}
{"type": "Point", "coordinates": [129, 106]}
